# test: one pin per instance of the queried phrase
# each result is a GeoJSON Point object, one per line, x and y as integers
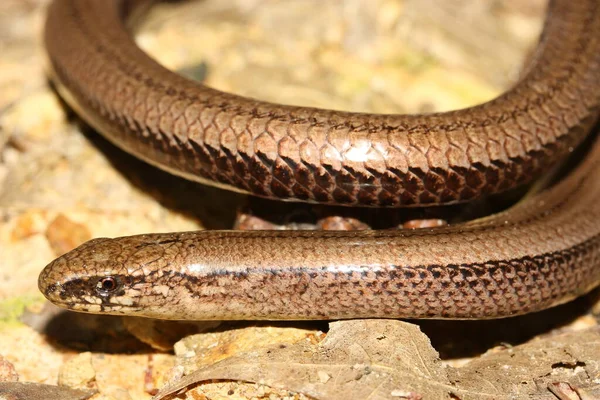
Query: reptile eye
{"type": "Point", "coordinates": [107, 285]}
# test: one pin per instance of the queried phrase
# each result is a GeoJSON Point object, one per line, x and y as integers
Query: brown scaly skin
{"type": "Point", "coordinates": [540, 253]}
{"type": "Point", "coordinates": [320, 155]}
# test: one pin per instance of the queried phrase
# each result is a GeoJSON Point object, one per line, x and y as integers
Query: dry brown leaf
{"type": "Point", "coordinates": [38, 391]}
{"type": "Point", "coordinates": [529, 370]}
{"type": "Point", "coordinates": [374, 359]}
{"type": "Point", "coordinates": [387, 359]}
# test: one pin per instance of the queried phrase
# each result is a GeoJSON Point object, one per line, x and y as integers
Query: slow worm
{"type": "Point", "coordinates": [542, 252]}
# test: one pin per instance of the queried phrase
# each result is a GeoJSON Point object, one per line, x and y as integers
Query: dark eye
{"type": "Point", "coordinates": [107, 285]}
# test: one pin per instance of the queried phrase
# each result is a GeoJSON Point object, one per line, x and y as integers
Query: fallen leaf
{"type": "Point", "coordinates": [374, 359]}
{"type": "Point", "coordinates": [388, 359]}
{"type": "Point", "coordinates": [208, 348]}
{"type": "Point", "coordinates": [38, 391]}
{"type": "Point", "coordinates": [532, 368]}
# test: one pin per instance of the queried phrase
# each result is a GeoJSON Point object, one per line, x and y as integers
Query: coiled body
{"type": "Point", "coordinates": [538, 254]}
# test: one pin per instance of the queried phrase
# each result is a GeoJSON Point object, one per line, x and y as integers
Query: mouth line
{"type": "Point", "coordinates": [57, 294]}
{"type": "Point", "coordinates": [79, 304]}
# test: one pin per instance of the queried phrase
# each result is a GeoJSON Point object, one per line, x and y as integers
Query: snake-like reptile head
{"type": "Point", "coordinates": [111, 276]}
